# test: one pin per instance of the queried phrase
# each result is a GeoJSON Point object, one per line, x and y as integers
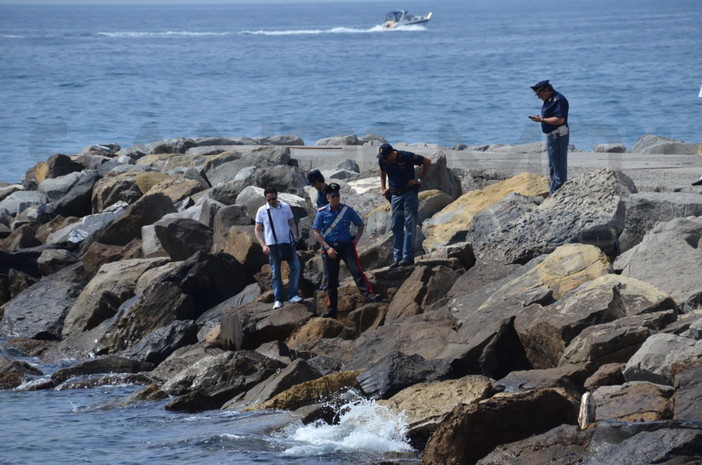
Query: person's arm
{"type": "Point", "coordinates": [293, 228]}
{"type": "Point", "coordinates": [426, 163]}
{"type": "Point", "coordinates": [383, 180]}
{"type": "Point", "coordinates": [317, 233]}
{"type": "Point", "coordinates": [359, 231]}
{"type": "Point", "coordinates": [258, 231]}
{"type": "Point", "coordinates": [553, 120]}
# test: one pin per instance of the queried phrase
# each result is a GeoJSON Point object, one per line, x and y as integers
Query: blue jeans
{"type": "Point", "coordinates": [557, 147]}
{"type": "Point", "coordinates": [404, 223]}
{"type": "Point", "coordinates": [278, 290]}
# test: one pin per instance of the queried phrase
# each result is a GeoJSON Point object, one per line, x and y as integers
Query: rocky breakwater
{"type": "Point", "coordinates": [525, 333]}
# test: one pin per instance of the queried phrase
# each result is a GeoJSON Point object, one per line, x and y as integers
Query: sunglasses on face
{"type": "Point", "coordinates": [271, 199]}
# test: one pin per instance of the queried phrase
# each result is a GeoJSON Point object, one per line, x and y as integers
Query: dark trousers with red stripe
{"type": "Point", "coordinates": [345, 251]}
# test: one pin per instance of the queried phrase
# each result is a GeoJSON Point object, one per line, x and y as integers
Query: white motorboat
{"type": "Point", "coordinates": [399, 18]}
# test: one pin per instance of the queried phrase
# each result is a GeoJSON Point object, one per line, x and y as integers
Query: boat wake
{"type": "Point", "coordinates": [335, 30]}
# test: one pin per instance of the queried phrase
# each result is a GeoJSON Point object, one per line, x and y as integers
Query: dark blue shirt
{"type": "Point", "coordinates": [321, 199]}
{"type": "Point", "coordinates": [342, 231]}
{"type": "Point", "coordinates": [556, 105]}
{"type": "Point", "coordinates": [402, 171]}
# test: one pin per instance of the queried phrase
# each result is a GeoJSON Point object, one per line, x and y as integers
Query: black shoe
{"type": "Point", "coordinates": [394, 264]}
{"type": "Point", "coordinates": [329, 314]}
{"type": "Point", "coordinates": [697, 183]}
{"type": "Point", "coordinates": [370, 298]}
{"type": "Point", "coordinates": [406, 262]}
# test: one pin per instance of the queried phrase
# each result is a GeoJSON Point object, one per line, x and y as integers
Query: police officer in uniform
{"type": "Point", "coordinates": [332, 229]}
{"type": "Point", "coordinates": [397, 168]}
{"type": "Point", "coordinates": [554, 123]}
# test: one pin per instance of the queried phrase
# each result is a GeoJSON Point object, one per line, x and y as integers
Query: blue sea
{"type": "Point", "coordinates": [74, 76]}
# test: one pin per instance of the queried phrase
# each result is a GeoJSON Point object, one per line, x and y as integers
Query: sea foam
{"type": "Point", "coordinates": [363, 426]}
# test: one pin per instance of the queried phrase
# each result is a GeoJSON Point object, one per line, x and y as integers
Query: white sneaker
{"type": "Point", "coordinates": [295, 299]}
{"type": "Point", "coordinates": [277, 304]}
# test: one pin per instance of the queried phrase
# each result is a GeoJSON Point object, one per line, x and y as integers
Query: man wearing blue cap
{"type": "Point", "coordinates": [554, 123]}
{"type": "Point", "coordinates": [332, 228]}
{"type": "Point", "coordinates": [397, 167]}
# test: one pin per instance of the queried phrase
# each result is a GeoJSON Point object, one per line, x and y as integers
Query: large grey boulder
{"type": "Point", "coordinates": [210, 382]}
{"type": "Point", "coordinates": [55, 188]}
{"type": "Point", "coordinates": [182, 237]}
{"type": "Point", "coordinates": [636, 443]}
{"type": "Point", "coordinates": [659, 356]}
{"type": "Point", "coordinates": [676, 244]}
{"type": "Point", "coordinates": [77, 200]}
{"type": "Point", "coordinates": [113, 284]}
{"type": "Point", "coordinates": [118, 187]}
{"type": "Point", "coordinates": [254, 324]}
{"type": "Point", "coordinates": [182, 293]}
{"type": "Point", "coordinates": [499, 217]}
{"type": "Point", "coordinates": [441, 177]}
{"type": "Point", "coordinates": [663, 145]}
{"type": "Point", "coordinates": [616, 341]}
{"type": "Point", "coordinates": [688, 392]}
{"type": "Point", "coordinates": [21, 200]}
{"type": "Point", "coordinates": [145, 211]}
{"type": "Point", "coordinates": [485, 340]}
{"type": "Point", "coordinates": [546, 330]}
{"type": "Point", "coordinates": [299, 371]}
{"type": "Point", "coordinates": [39, 311]}
{"type": "Point", "coordinates": [397, 371]}
{"type": "Point", "coordinates": [589, 210]}
{"type": "Point", "coordinates": [351, 139]}
{"type": "Point", "coordinates": [645, 209]}
{"type": "Point", "coordinates": [155, 347]}
{"type": "Point", "coordinates": [87, 227]}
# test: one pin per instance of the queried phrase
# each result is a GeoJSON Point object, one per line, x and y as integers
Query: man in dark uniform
{"type": "Point", "coordinates": [332, 228]}
{"type": "Point", "coordinates": [554, 123]}
{"type": "Point", "coordinates": [397, 167]}
{"type": "Point", "coordinates": [316, 179]}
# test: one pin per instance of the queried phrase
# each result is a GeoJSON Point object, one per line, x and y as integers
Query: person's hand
{"type": "Point", "coordinates": [536, 118]}
{"type": "Point", "coordinates": [266, 250]}
{"type": "Point", "coordinates": [331, 252]}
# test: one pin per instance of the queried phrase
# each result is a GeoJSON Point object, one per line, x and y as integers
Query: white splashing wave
{"type": "Point", "coordinates": [364, 426]}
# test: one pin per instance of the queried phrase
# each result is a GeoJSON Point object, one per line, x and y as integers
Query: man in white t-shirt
{"type": "Point", "coordinates": [276, 240]}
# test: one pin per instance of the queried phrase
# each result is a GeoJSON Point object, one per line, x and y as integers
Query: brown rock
{"type": "Point", "coordinates": [634, 401]}
{"type": "Point", "coordinates": [471, 431]}
{"type": "Point", "coordinates": [313, 331]}
{"type": "Point", "coordinates": [99, 254]}
{"type": "Point", "coordinates": [606, 375]}
{"type": "Point", "coordinates": [311, 392]}
{"type": "Point", "coordinates": [425, 405]}
{"type": "Point", "coordinates": [424, 286]}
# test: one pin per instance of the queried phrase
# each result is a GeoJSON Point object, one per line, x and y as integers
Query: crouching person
{"type": "Point", "coordinates": [332, 229]}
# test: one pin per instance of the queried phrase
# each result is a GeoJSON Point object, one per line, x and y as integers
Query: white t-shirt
{"type": "Point", "coordinates": [280, 216]}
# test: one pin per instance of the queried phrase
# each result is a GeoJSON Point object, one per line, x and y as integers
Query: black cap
{"type": "Point", "coordinates": [541, 85]}
{"type": "Point", "coordinates": [332, 188]}
{"type": "Point", "coordinates": [314, 176]}
{"type": "Point", "coordinates": [384, 151]}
